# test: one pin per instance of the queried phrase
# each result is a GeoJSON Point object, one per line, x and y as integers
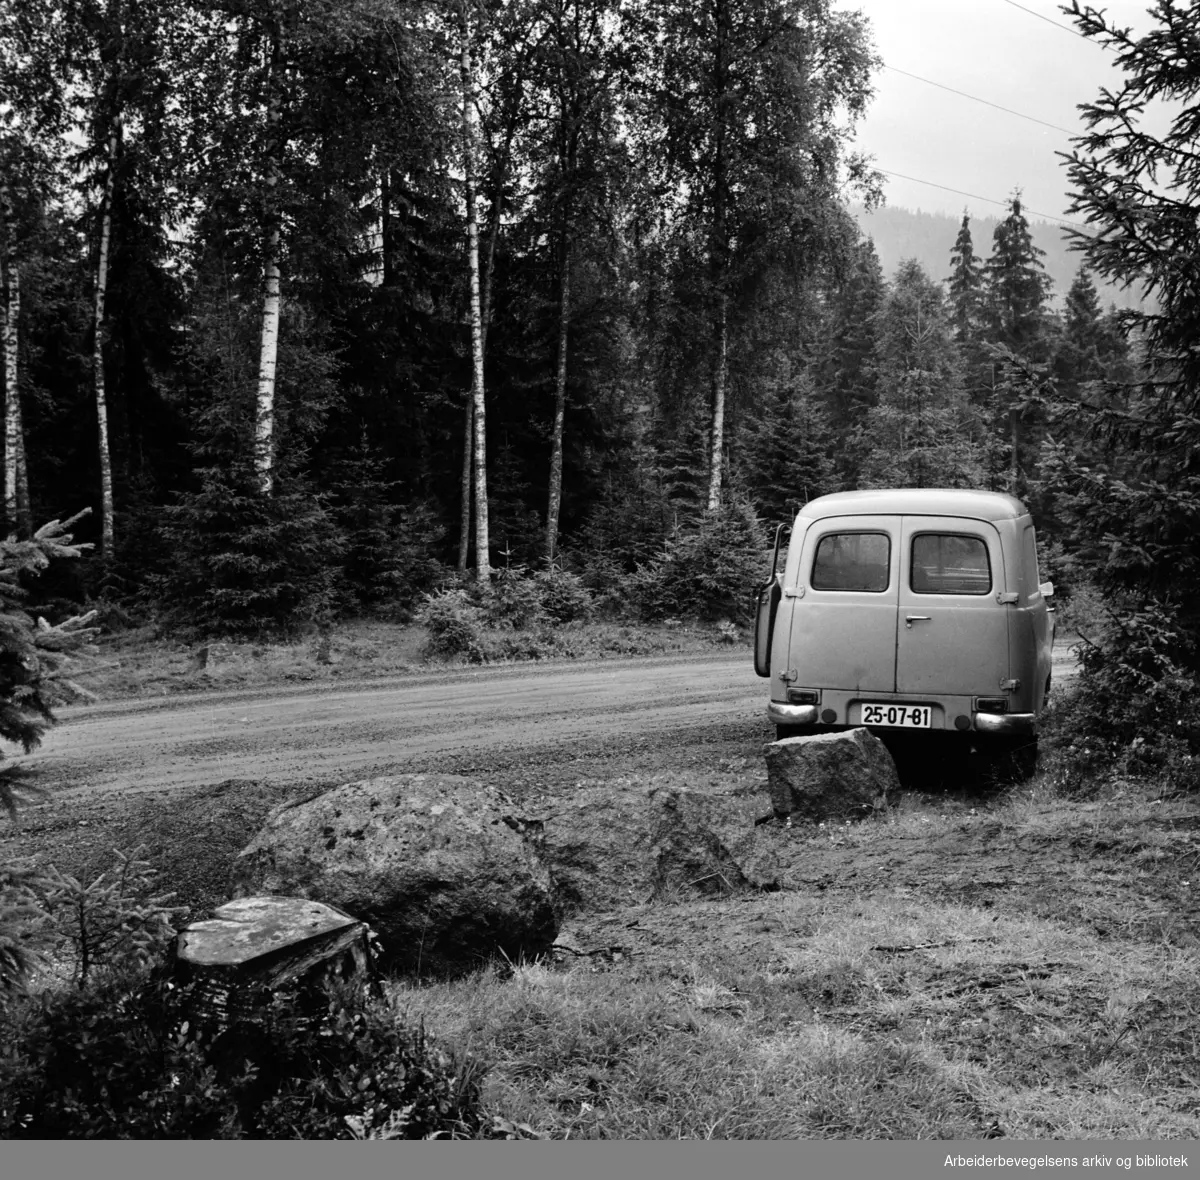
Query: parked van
{"type": "Point", "coordinates": [909, 609]}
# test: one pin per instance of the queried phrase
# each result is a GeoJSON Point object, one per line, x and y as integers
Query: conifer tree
{"type": "Point", "coordinates": [921, 431]}
{"type": "Point", "coordinates": [1016, 321]}
{"type": "Point", "coordinates": [35, 657]}
{"type": "Point", "coordinates": [966, 284]}
{"type": "Point", "coordinates": [1133, 515]}
{"type": "Point", "coordinates": [786, 452]}
{"type": "Point", "coordinates": [1016, 286]}
{"type": "Point", "coordinates": [848, 368]}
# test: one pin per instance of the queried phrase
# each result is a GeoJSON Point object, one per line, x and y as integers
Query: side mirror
{"type": "Point", "coordinates": [1047, 589]}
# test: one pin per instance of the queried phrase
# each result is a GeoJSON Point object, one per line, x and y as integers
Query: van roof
{"type": "Point", "coordinates": [917, 502]}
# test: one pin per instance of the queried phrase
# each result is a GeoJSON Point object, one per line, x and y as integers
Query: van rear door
{"type": "Point", "coordinates": [843, 635]}
{"type": "Point", "coordinates": [952, 627]}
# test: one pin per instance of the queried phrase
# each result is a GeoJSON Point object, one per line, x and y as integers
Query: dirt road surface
{"type": "Point", "coordinates": [466, 721]}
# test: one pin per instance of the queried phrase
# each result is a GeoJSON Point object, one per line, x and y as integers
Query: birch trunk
{"type": "Point", "coordinates": [719, 258]}
{"type": "Point", "coordinates": [464, 529]}
{"type": "Point", "coordinates": [479, 458]}
{"type": "Point", "coordinates": [718, 408]}
{"type": "Point", "coordinates": [264, 404]}
{"type": "Point", "coordinates": [24, 508]}
{"type": "Point", "coordinates": [560, 405]}
{"type": "Point", "coordinates": [10, 280]}
{"type": "Point", "coordinates": [98, 337]}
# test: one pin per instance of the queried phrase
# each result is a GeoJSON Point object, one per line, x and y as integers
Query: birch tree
{"type": "Point", "coordinates": [756, 103]}
{"type": "Point", "coordinates": [478, 407]}
{"type": "Point", "coordinates": [98, 339]}
{"type": "Point", "coordinates": [10, 282]}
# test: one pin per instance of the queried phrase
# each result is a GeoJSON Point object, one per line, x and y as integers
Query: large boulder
{"type": "Point", "coordinates": [609, 844]}
{"type": "Point", "coordinates": [436, 864]}
{"type": "Point", "coordinates": [830, 775]}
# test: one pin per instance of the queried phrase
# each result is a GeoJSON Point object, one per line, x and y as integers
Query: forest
{"type": "Point", "coordinates": [329, 308]}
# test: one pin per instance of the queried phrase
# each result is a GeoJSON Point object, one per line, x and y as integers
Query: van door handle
{"type": "Point", "coordinates": [910, 619]}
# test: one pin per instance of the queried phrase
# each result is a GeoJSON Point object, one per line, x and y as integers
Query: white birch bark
{"type": "Point", "coordinates": [479, 459]}
{"type": "Point", "coordinates": [264, 402]}
{"type": "Point", "coordinates": [98, 338]}
{"type": "Point", "coordinates": [717, 441]}
{"type": "Point", "coordinates": [464, 522]}
{"type": "Point", "coordinates": [560, 406]}
{"type": "Point", "coordinates": [10, 279]}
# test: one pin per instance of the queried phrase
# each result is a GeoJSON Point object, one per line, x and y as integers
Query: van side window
{"type": "Point", "coordinates": [948, 563]}
{"type": "Point", "coordinates": [852, 561]}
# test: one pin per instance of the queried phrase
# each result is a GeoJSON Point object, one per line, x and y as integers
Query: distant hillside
{"type": "Point", "coordinates": [929, 237]}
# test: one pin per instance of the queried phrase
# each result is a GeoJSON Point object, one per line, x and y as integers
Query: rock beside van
{"type": "Point", "coordinates": [830, 775]}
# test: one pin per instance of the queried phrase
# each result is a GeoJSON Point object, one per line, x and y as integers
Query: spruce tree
{"type": "Point", "coordinates": [921, 431]}
{"type": "Point", "coordinates": [966, 284]}
{"type": "Point", "coordinates": [35, 657]}
{"type": "Point", "coordinates": [1016, 286]}
{"type": "Point", "coordinates": [786, 453]}
{"type": "Point", "coordinates": [1134, 514]}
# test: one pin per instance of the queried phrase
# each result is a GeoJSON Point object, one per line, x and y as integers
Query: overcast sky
{"type": "Point", "coordinates": [993, 50]}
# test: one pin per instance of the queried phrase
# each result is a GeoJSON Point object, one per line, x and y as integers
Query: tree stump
{"type": "Point", "coordinates": [254, 948]}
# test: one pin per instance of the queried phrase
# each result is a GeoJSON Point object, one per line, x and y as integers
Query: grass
{"type": "Point", "coordinates": [966, 965]}
{"type": "Point", "coordinates": [138, 663]}
{"type": "Point", "coordinates": [867, 1017]}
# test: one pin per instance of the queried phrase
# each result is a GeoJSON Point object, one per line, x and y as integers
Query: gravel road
{"type": "Point", "coordinates": [440, 720]}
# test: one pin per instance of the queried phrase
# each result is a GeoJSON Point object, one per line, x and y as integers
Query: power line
{"type": "Point", "coordinates": [1056, 24]}
{"type": "Point", "coordinates": [977, 197]}
{"type": "Point", "coordinates": [986, 102]}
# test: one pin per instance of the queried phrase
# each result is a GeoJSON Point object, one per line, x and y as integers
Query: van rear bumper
{"type": "Point", "coordinates": [951, 713]}
{"type": "Point", "coordinates": [780, 714]}
{"type": "Point", "coordinates": [1017, 724]}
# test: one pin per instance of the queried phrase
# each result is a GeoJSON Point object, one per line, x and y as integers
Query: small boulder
{"type": "Point", "coordinates": [437, 865]}
{"type": "Point", "coordinates": [830, 775]}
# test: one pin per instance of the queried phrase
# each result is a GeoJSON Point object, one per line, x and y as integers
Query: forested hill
{"type": "Point", "coordinates": [901, 233]}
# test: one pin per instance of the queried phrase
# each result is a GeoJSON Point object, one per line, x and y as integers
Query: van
{"type": "Point", "coordinates": [911, 609]}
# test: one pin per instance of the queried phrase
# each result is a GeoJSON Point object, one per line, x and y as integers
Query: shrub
{"type": "Point", "coordinates": [1136, 705]}
{"type": "Point", "coordinates": [513, 600]}
{"type": "Point", "coordinates": [455, 625]}
{"type": "Point", "coordinates": [563, 596]}
{"type": "Point", "coordinates": [122, 1060]}
{"type": "Point", "coordinates": [245, 565]}
{"type": "Point", "coordinates": [115, 918]}
{"type": "Point", "coordinates": [707, 570]}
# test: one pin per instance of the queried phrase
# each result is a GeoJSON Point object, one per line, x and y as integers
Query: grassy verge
{"type": "Point", "coordinates": [872, 1013]}
{"type": "Point", "coordinates": [136, 663]}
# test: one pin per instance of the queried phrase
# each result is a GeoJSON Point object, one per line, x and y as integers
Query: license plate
{"type": "Point", "coordinates": [898, 716]}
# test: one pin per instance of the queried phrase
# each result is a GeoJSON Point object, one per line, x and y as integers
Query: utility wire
{"type": "Point", "coordinates": [1056, 24]}
{"type": "Point", "coordinates": [977, 197]}
{"type": "Point", "coordinates": [986, 103]}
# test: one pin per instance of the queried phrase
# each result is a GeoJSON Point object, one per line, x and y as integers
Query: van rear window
{"type": "Point", "coordinates": [948, 563]}
{"type": "Point", "coordinates": [852, 561]}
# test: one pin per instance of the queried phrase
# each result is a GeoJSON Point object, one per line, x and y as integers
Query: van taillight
{"type": "Point", "coordinates": [991, 705]}
{"type": "Point", "coordinates": [803, 696]}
